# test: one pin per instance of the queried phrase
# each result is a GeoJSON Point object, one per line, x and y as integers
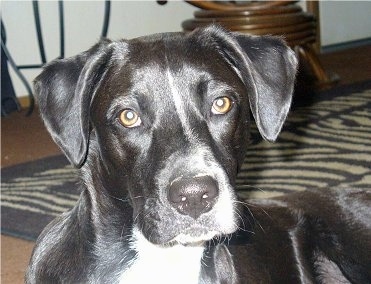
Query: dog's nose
{"type": "Point", "coordinates": [193, 195]}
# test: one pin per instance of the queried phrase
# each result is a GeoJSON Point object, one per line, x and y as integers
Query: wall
{"type": "Point", "coordinates": [340, 22]}
{"type": "Point", "coordinates": [344, 21]}
{"type": "Point", "coordinates": [83, 24]}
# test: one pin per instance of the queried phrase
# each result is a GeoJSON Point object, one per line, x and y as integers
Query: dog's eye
{"type": "Point", "coordinates": [129, 118]}
{"type": "Point", "coordinates": [221, 105]}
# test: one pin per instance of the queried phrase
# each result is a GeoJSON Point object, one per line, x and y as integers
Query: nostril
{"type": "Point", "coordinates": [193, 195]}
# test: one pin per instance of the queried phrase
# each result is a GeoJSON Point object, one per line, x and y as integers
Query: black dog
{"type": "Point", "coordinates": [159, 126]}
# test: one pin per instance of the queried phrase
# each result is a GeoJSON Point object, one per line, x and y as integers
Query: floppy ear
{"type": "Point", "coordinates": [267, 67]}
{"type": "Point", "coordinates": [64, 91]}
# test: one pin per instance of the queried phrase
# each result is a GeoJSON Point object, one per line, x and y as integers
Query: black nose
{"type": "Point", "coordinates": [193, 195]}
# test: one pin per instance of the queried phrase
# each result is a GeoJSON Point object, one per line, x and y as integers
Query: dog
{"type": "Point", "coordinates": [158, 127]}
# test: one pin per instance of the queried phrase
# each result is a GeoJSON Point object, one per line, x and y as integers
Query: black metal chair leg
{"type": "Point", "coordinates": [107, 10]}
{"type": "Point", "coordinates": [22, 78]}
{"type": "Point", "coordinates": [61, 28]}
{"type": "Point", "coordinates": [40, 40]}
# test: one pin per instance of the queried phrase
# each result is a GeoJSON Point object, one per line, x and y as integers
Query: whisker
{"type": "Point", "coordinates": [238, 213]}
{"type": "Point", "coordinates": [244, 186]}
{"type": "Point", "coordinates": [246, 205]}
{"type": "Point", "coordinates": [129, 198]}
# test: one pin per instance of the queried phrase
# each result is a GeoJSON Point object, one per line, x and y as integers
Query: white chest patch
{"type": "Point", "coordinates": [164, 265]}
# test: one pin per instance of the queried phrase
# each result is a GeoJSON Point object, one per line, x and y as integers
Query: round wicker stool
{"type": "Point", "coordinates": [281, 18]}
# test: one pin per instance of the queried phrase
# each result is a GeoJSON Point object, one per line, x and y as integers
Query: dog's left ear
{"type": "Point", "coordinates": [267, 67]}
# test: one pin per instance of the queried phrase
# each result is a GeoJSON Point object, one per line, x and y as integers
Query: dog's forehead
{"type": "Point", "coordinates": [172, 52]}
{"type": "Point", "coordinates": [156, 47]}
{"type": "Point", "coordinates": [156, 63]}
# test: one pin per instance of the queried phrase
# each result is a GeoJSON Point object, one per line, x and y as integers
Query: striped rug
{"type": "Point", "coordinates": [325, 144]}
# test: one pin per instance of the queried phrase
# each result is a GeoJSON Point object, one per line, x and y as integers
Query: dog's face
{"type": "Point", "coordinates": [164, 121]}
{"type": "Point", "coordinates": [163, 135]}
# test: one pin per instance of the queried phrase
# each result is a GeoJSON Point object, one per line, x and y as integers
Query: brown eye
{"type": "Point", "coordinates": [129, 118]}
{"type": "Point", "coordinates": [222, 105]}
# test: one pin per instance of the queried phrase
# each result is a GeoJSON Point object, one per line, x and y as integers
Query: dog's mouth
{"type": "Point", "coordinates": [163, 224]}
{"type": "Point", "coordinates": [173, 228]}
{"type": "Point", "coordinates": [194, 238]}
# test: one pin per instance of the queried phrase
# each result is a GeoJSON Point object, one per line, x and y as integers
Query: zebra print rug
{"type": "Point", "coordinates": [325, 144]}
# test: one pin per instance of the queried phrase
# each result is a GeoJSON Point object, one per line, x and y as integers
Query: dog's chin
{"type": "Point", "coordinates": [194, 239]}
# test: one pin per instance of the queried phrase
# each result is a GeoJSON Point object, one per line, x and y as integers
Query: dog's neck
{"type": "Point", "coordinates": [163, 264]}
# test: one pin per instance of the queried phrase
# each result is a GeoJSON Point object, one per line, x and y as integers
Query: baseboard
{"type": "Point", "coordinates": [345, 45]}
{"type": "Point", "coordinates": [24, 102]}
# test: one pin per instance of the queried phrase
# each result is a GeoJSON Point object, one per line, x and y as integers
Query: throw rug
{"type": "Point", "coordinates": [324, 144]}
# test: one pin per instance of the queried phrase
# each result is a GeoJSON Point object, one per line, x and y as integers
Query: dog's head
{"type": "Point", "coordinates": [164, 120]}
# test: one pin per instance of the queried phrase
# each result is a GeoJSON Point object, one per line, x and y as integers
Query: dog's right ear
{"type": "Point", "coordinates": [64, 91]}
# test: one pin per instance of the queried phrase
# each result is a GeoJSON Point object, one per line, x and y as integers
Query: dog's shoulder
{"type": "Point", "coordinates": [61, 245]}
